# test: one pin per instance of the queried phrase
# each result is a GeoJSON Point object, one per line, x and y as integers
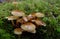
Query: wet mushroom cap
{"type": "Point", "coordinates": [12, 17]}
{"type": "Point", "coordinates": [39, 22]}
{"type": "Point", "coordinates": [18, 31]}
{"type": "Point", "coordinates": [38, 14]}
{"type": "Point", "coordinates": [28, 27]}
{"type": "Point", "coordinates": [18, 13]}
{"type": "Point", "coordinates": [31, 16]}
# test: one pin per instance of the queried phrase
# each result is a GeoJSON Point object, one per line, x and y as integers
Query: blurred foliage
{"type": "Point", "coordinates": [51, 9]}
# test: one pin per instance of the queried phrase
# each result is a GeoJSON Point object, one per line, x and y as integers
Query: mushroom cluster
{"type": "Point", "coordinates": [23, 22]}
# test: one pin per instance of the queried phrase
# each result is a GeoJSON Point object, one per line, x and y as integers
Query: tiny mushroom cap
{"type": "Point", "coordinates": [28, 27]}
{"type": "Point", "coordinates": [38, 14]}
{"type": "Point", "coordinates": [12, 17]}
{"type": "Point", "coordinates": [15, 2]}
{"type": "Point", "coordinates": [18, 13]}
{"type": "Point", "coordinates": [18, 31]}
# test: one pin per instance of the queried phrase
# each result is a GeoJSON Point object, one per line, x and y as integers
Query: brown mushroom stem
{"type": "Point", "coordinates": [12, 22]}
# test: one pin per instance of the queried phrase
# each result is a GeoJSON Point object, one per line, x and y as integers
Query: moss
{"type": "Point", "coordinates": [51, 9]}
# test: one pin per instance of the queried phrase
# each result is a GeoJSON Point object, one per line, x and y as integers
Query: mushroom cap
{"type": "Point", "coordinates": [22, 20]}
{"type": "Point", "coordinates": [28, 27]}
{"type": "Point", "coordinates": [25, 19]}
{"type": "Point", "coordinates": [18, 13]}
{"type": "Point", "coordinates": [18, 31]}
{"type": "Point", "coordinates": [31, 16]}
{"type": "Point", "coordinates": [39, 22]}
{"type": "Point", "coordinates": [12, 17]}
{"type": "Point", "coordinates": [38, 14]}
{"type": "Point", "coordinates": [15, 2]}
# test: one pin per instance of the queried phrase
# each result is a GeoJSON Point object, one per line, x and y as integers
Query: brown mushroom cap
{"type": "Point", "coordinates": [39, 22]}
{"type": "Point", "coordinates": [20, 21]}
{"type": "Point", "coordinates": [12, 17]}
{"type": "Point", "coordinates": [25, 19]}
{"type": "Point", "coordinates": [15, 3]}
{"type": "Point", "coordinates": [38, 14]}
{"type": "Point", "coordinates": [18, 31]}
{"type": "Point", "coordinates": [28, 27]}
{"type": "Point", "coordinates": [31, 16]}
{"type": "Point", "coordinates": [18, 13]}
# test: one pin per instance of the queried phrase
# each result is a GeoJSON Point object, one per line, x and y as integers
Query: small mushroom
{"type": "Point", "coordinates": [18, 13]}
{"type": "Point", "coordinates": [31, 16]}
{"type": "Point", "coordinates": [29, 27]}
{"type": "Point", "coordinates": [22, 20]}
{"type": "Point", "coordinates": [38, 14]}
{"type": "Point", "coordinates": [15, 3]}
{"type": "Point", "coordinates": [12, 18]}
{"type": "Point", "coordinates": [39, 22]}
{"type": "Point", "coordinates": [18, 31]}
{"type": "Point", "coordinates": [25, 19]}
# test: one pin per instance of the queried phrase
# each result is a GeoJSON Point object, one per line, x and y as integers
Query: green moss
{"type": "Point", "coordinates": [51, 9]}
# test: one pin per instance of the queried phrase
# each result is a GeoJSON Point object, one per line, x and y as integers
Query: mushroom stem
{"type": "Point", "coordinates": [12, 22]}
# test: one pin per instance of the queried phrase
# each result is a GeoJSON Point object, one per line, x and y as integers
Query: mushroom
{"type": "Point", "coordinates": [25, 18]}
{"type": "Point", "coordinates": [29, 27]}
{"type": "Point", "coordinates": [12, 18]}
{"type": "Point", "coordinates": [39, 22]}
{"type": "Point", "coordinates": [31, 16]}
{"type": "Point", "coordinates": [15, 3]}
{"type": "Point", "coordinates": [20, 21]}
{"type": "Point", "coordinates": [18, 13]}
{"type": "Point", "coordinates": [38, 14]}
{"type": "Point", "coordinates": [35, 15]}
{"type": "Point", "coordinates": [18, 31]}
